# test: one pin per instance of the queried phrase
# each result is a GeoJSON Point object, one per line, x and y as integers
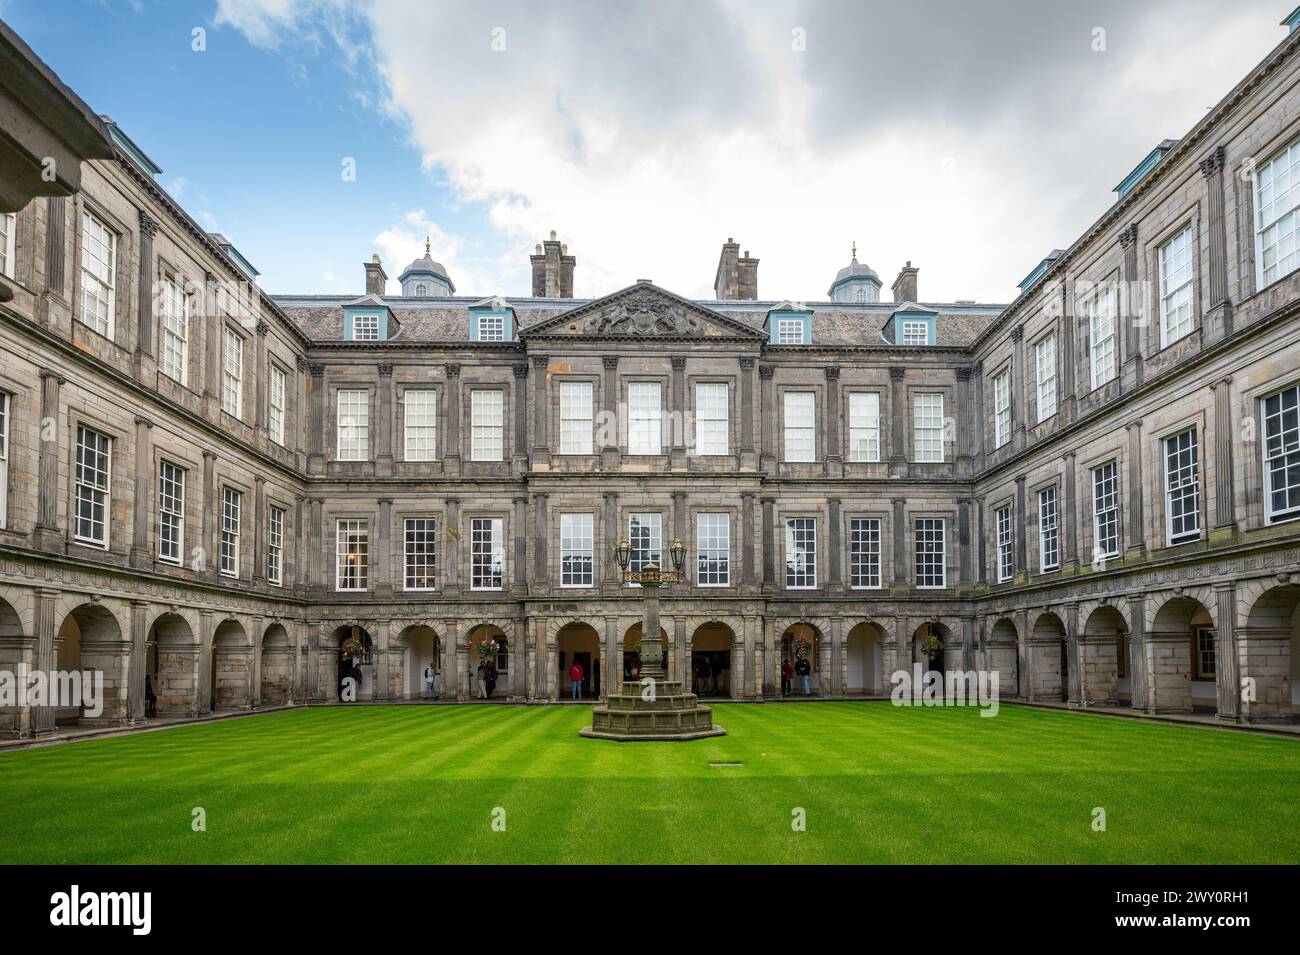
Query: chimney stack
{"type": "Point", "coordinates": [737, 275]}
{"type": "Point", "coordinates": [552, 269]}
{"type": "Point", "coordinates": [376, 277]}
{"type": "Point", "coordinates": [905, 285]}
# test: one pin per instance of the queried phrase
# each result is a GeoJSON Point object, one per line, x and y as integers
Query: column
{"type": "Point", "coordinates": [981, 551]}
{"type": "Point", "coordinates": [681, 520]}
{"type": "Point", "coordinates": [47, 536]}
{"type": "Point", "coordinates": [898, 531]}
{"type": "Point", "coordinates": [519, 660]}
{"type": "Point", "coordinates": [677, 446]}
{"type": "Point", "coordinates": [741, 661]}
{"type": "Point", "coordinates": [452, 441]}
{"type": "Point", "coordinates": [297, 562]}
{"type": "Point", "coordinates": [259, 529]}
{"type": "Point", "coordinates": [1019, 382]}
{"type": "Point", "coordinates": [1137, 661]}
{"type": "Point", "coordinates": [551, 678]}
{"type": "Point", "coordinates": [964, 543]}
{"type": "Point", "coordinates": [831, 422]}
{"type": "Point", "coordinates": [897, 421]}
{"type": "Point", "coordinates": [136, 671]}
{"type": "Point", "coordinates": [1219, 321]}
{"type": "Point", "coordinates": [540, 406]}
{"type": "Point", "coordinates": [520, 585]}
{"type": "Point", "coordinates": [769, 544]}
{"type": "Point", "coordinates": [382, 563]}
{"type": "Point", "coordinates": [754, 665]}
{"type": "Point", "coordinates": [966, 433]}
{"type": "Point", "coordinates": [771, 659]}
{"type": "Point", "coordinates": [260, 373]}
{"type": "Point", "coordinates": [46, 659]}
{"type": "Point", "coordinates": [141, 556]}
{"type": "Point", "coordinates": [612, 670]}
{"type": "Point", "coordinates": [297, 387]}
{"type": "Point", "coordinates": [977, 427]}
{"type": "Point", "coordinates": [1225, 516]}
{"type": "Point", "coordinates": [1068, 372]}
{"type": "Point", "coordinates": [451, 535]}
{"type": "Point", "coordinates": [1073, 656]}
{"type": "Point", "coordinates": [519, 402]}
{"type": "Point", "coordinates": [144, 329]}
{"type": "Point", "coordinates": [315, 572]}
{"type": "Point", "coordinates": [612, 579]}
{"type": "Point", "coordinates": [767, 388]}
{"type": "Point", "coordinates": [383, 678]}
{"type": "Point", "coordinates": [833, 543]}
{"type": "Point", "coordinates": [316, 418]}
{"type": "Point", "coordinates": [452, 686]}
{"type": "Point", "coordinates": [968, 643]}
{"type": "Point", "coordinates": [832, 655]}
{"type": "Point", "coordinates": [213, 326]}
{"type": "Point", "coordinates": [746, 442]}
{"type": "Point", "coordinates": [1131, 311]}
{"type": "Point", "coordinates": [314, 690]}
{"type": "Point", "coordinates": [383, 422]}
{"type": "Point", "coordinates": [1226, 661]}
{"type": "Point", "coordinates": [611, 454]}
{"type": "Point", "coordinates": [747, 539]}
{"type": "Point", "coordinates": [1135, 493]}
{"type": "Point", "coordinates": [541, 576]}
{"type": "Point", "coordinates": [1022, 559]}
{"type": "Point", "coordinates": [203, 694]}
{"type": "Point", "coordinates": [210, 520]}
{"type": "Point", "coordinates": [1069, 517]}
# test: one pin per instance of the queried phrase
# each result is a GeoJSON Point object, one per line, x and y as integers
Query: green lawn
{"type": "Point", "coordinates": [878, 784]}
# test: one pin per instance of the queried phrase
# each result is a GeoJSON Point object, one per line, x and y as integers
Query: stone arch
{"type": "Point", "coordinates": [416, 645]}
{"type": "Point", "coordinates": [1270, 652]}
{"type": "Point", "coordinates": [1179, 653]}
{"type": "Point", "coordinates": [577, 640]}
{"type": "Point", "coordinates": [17, 646]}
{"type": "Point", "coordinates": [333, 664]}
{"type": "Point", "coordinates": [864, 649]}
{"type": "Point", "coordinates": [277, 656]}
{"type": "Point", "coordinates": [172, 662]}
{"type": "Point", "coordinates": [502, 631]}
{"type": "Point", "coordinates": [1002, 654]}
{"type": "Point", "coordinates": [1049, 658]}
{"type": "Point", "coordinates": [232, 665]}
{"type": "Point", "coordinates": [948, 635]}
{"type": "Point", "coordinates": [816, 631]}
{"type": "Point", "coordinates": [1106, 655]}
{"type": "Point", "coordinates": [93, 638]}
{"type": "Point", "coordinates": [711, 662]}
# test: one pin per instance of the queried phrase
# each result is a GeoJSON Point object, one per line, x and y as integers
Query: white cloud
{"type": "Point", "coordinates": [647, 134]}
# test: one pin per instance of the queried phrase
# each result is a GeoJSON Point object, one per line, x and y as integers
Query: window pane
{"type": "Point", "coordinates": [420, 425]}
{"type": "Point", "coordinates": [421, 553]}
{"type": "Point", "coordinates": [487, 430]}
{"type": "Point", "coordinates": [930, 571]}
{"type": "Point", "coordinates": [487, 553]}
{"type": "Point", "coordinates": [711, 418]}
{"type": "Point", "coordinates": [645, 423]}
{"type": "Point", "coordinates": [576, 550]}
{"type": "Point", "coordinates": [864, 552]}
{"type": "Point", "coordinates": [713, 548]}
{"type": "Point", "coordinates": [927, 422]}
{"type": "Point", "coordinates": [864, 426]}
{"type": "Point", "coordinates": [353, 425]}
{"type": "Point", "coordinates": [353, 538]}
{"type": "Point", "coordinates": [801, 553]}
{"type": "Point", "coordinates": [800, 426]}
{"type": "Point", "coordinates": [576, 417]}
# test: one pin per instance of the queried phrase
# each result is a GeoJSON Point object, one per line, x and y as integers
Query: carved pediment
{"type": "Point", "coordinates": [643, 311]}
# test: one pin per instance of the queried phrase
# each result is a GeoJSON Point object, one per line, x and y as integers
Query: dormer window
{"type": "Point", "coordinates": [789, 331]}
{"type": "Point", "coordinates": [916, 333]}
{"type": "Point", "coordinates": [860, 295]}
{"type": "Point", "coordinates": [421, 290]}
{"type": "Point", "coordinates": [491, 328]}
{"type": "Point", "coordinates": [365, 328]}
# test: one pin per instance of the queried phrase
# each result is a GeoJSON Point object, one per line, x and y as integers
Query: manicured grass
{"type": "Point", "coordinates": [878, 784]}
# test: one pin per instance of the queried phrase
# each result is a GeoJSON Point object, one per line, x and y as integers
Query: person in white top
{"type": "Point", "coordinates": [429, 674]}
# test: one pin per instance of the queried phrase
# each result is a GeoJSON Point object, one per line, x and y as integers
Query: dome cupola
{"type": "Point", "coordinates": [425, 278]}
{"type": "Point", "coordinates": [855, 282]}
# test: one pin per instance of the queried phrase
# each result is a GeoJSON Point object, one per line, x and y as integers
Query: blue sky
{"type": "Point", "coordinates": [970, 139]}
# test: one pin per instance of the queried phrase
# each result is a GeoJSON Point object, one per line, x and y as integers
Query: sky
{"type": "Point", "coordinates": [969, 138]}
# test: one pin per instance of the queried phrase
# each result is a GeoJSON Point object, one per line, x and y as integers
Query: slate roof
{"type": "Point", "coordinates": [320, 317]}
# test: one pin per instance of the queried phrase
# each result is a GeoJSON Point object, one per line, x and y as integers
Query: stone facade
{"type": "Point", "coordinates": [250, 612]}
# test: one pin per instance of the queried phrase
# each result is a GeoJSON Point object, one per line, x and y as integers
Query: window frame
{"type": "Point", "coordinates": [6, 419]}
{"type": "Point", "coordinates": [1045, 348]}
{"type": "Point", "coordinates": [8, 228]}
{"type": "Point", "coordinates": [1291, 153]}
{"type": "Point", "coordinates": [1188, 488]}
{"type": "Point", "coordinates": [1098, 307]}
{"type": "Point", "coordinates": [487, 436]}
{"type": "Point", "coordinates": [645, 424]}
{"type": "Point", "coordinates": [794, 435]}
{"type": "Point", "coordinates": [351, 537]}
{"type": "Point", "coordinates": [1045, 528]}
{"type": "Point", "coordinates": [277, 408]}
{"type": "Point", "coordinates": [1002, 408]}
{"type": "Point", "coordinates": [653, 530]}
{"type": "Point", "coordinates": [352, 436]}
{"type": "Point", "coordinates": [577, 550]}
{"type": "Point", "coordinates": [171, 510]}
{"type": "Point", "coordinates": [784, 325]}
{"type": "Point", "coordinates": [275, 521]}
{"type": "Point", "coordinates": [807, 526]}
{"type": "Point", "coordinates": [230, 537]}
{"type": "Point", "coordinates": [420, 553]}
{"type": "Point", "coordinates": [106, 286]}
{"type": "Point", "coordinates": [868, 432]}
{"type": "Point", "coordinates": [920, 431]}
{"type": "Point", "coordinates": [1187, 323]}
{"type": "Point", "coordinates": [716, 546]}
{"type": "Point", "coordinates": [495, 553]}
{"type": "Point", "coordinates": [577, 407]}
{"type": "Point", "coordinates": [1004, 543]}
{"type": "Point", "coordinates": [1110, 515]}
{"type": "Point", "coordinates": [420, 403]}
{"type": "Point", "coordinates": [232, 372]}
{"type": "Point", "coordinates": [100, 495]}
{"type": "Point", "coordinates": [864, 554]}
{"type": "Point", "coordinates": [709, 423]}
{"type": "Point", "coordinates": [935, 524]}
{"type": "Point", "coordinates": [1288, 455]}
{"type": "Point", "coordinates": [173, 297]}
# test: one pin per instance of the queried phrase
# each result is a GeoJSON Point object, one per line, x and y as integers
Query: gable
{"type": "Point", "coordinates": [643, 311]}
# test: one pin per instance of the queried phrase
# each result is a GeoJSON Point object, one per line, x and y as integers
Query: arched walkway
{"type": "Point", "coordinates": [580, 642]}
{"type": "Point", "coordinates": [1180, 657]}
{"type": "Point", "coordinates": [501, 659]}
{"type": "Point", "coordinates": [354, 656]}
{"type": "Point", "coordinates": [1270, 646]}
{"type": "Point", "coordinates": [277, 666]}
{"type": "Point", "coordinates": [173, 665]}
{"type": "Point", "coordinates": [864, 648]}
{"type": "Point", "coordinates": [1106, 664]}
{"type": "Point", "coordinates": [421, 647]}
{"type": "Point", "coordinates": [808, 637]}
{"type": "Point", "coordinates": [632, 652]}
{"type": "Point", "coordinates": [15, 648]}
{"type": "Point", "coordinates": [1049, 660]}
{"type": "Point", "coordinates": [232, 666]}
{"type": "Point", "coordinates": [1002, 656]}
{"type": "Point", "coordinates": [90, 639]}
{"type": "Point", "coordinates": [711, 659]}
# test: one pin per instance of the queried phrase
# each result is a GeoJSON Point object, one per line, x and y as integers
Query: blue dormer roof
{"type": "Point", "coordinates": [369, 305]}
{"type": "Point", "coordinates": [789, 312]}
{"type": "Point", "coordinates": [128, 146]}
{"type": "Point", "coordinates": [1292, 21]}
{"type": "Point", "coordinates": [495, 307]}
{"type": "Point", "coordinates": [911, 312]}
{"type": "Point", "coordinates": [1039, 269]}
{"type": "Point", "coordinates": [1144, 167]}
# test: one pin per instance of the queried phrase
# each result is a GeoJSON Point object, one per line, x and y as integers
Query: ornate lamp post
{"type": "Point", "coordinates": [657, 708]}
{"type": "Point", "coordinates": [650, 577]}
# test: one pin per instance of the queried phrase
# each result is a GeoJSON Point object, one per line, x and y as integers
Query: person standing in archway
{"type": "Point", "coordinates": [575, 677]}
{"type": "Point", "coordinates": [787, 674]}
{"type": "Point", "coordinates": [803, 669]}
{"type": "Point", "coordinates": [430, 675]}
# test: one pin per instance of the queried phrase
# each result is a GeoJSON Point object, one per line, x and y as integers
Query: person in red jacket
{"type": "Point", "coordinates": [575, 676]}
{"type": "Point", "coordinates": [787, 674]}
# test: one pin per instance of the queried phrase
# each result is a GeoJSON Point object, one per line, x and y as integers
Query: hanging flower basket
{"type": "Point", "coordinates": [487, 649]}
{"type": "Point", "coordinates": [802, 648]}
{"type": "Point", "coordinates": [931, 646]}
{"type": "Point", "coordinates": [353, 647]}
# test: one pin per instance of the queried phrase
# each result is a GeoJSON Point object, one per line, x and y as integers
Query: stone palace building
{"type": "Point", "coordinates": [1094, 490]}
